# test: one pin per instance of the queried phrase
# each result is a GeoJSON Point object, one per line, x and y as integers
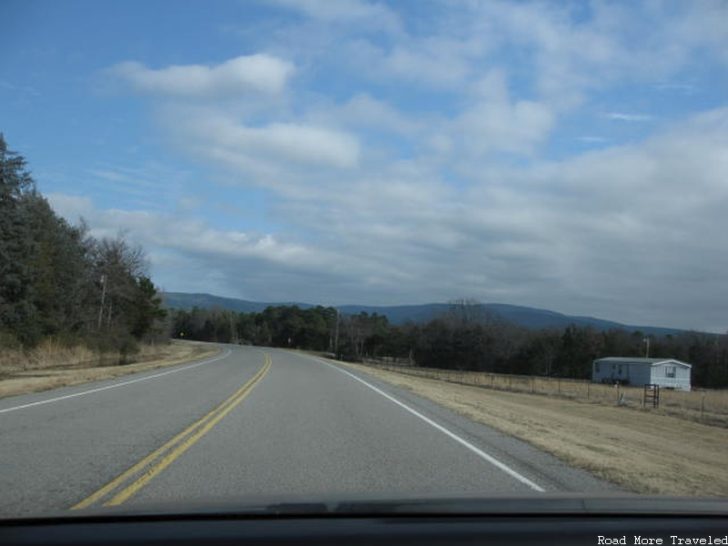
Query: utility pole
{"type": "Point", "coordinates": [103, 297]}
{"type": "Point", "coordinates": [233, 330]}
{"type": "Point", "coordinates": [336, 335]}
{"type": "Point", "coordinates": [647, 347]}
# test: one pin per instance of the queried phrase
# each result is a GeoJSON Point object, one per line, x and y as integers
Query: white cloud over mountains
{"type": "Point", "coordinates": [418, 167]}
{"type": "Point", "coordinates": [599, 231]}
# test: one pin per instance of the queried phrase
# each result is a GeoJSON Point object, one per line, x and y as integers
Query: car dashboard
{"type": "Point", "coordinates": [629, 521]}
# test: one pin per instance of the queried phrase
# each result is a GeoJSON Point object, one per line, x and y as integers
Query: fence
{"type": "Point", "coordinates": [709, 406]}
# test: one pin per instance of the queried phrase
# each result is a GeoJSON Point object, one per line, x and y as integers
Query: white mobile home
{"type": "Point", "coordinates": [666, 372]}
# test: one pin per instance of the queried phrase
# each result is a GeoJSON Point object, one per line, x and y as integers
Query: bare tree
{"type": "Point", "coordinates": [467, 312]}
{"type": "Point", "coordinates": [118, 266]}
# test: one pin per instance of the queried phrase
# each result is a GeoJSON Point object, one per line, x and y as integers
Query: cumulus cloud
{"type": "Point", "coordinates": [187, 236]}
{"type": "Point", "coordinates": [260, 72]}
{"type": "Point", "coordinates": [599, 231]}
{"type": "Point", "coordinates": [568, 52]}
{"type": "Point", "coordinates": [496, 122]}
{"type": "Point", "coordinates": [629, 223]}
{"type": "Point", "coordinates": [258, 266]}
{"type": "Point", "coordinates": [218, 137]}
{"type": "Point", "coordinates": [432, 164]}
{"type": "Point", "coordinates": [433, 62]}
{"type": "Point", "coordinates": [362, 111]}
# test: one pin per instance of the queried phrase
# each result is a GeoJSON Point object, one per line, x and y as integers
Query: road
{"type": "Point", "coordinates": [253, 424]}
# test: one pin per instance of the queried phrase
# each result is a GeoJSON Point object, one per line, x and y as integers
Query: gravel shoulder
{"type": "Point", "coordinates": [640, 451]}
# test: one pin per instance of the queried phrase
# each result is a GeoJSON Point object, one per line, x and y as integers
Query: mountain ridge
{"type": "Point", "coordinates": [528, 317]}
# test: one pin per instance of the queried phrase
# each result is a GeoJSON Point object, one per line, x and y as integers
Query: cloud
{"type": "Point", "coordinates": [362, 111]}
{"type": "Point", "coordinates": [621, 116]}
{"type": "Point", "coordinates": [187, 236]}
{"type": "Point", "coordinates": [185, 252]}
{"type": "Point", "coordinates": [144, 183]}
{"type": "Point", "coordinates": [602, 230]}
{"type": "Point", "coordinates": [432, 63]}
{"type": "Point", "coordinates": [260, 73]}
{"type": "Point", "coordinates": [622, 232]}
{"type": "Point", "coordinates": [569, 52]}
{"type": "Point", "coordinates": [496, 122]}
{"type": "Point", "coordinates": [587, 139]}
{"type": "Point", "coordinates": [215, 136]}
{"type": "Point", "coordinates": [437, 159]}
{"type": "Point", "coordinates": [345, 11]}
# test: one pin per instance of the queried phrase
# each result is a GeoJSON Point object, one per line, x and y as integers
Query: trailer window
{"type": "Point", "coordinates": [670, 371]}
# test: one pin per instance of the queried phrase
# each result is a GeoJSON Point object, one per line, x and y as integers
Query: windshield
{"type": "Point", "coordinates": [268, 252]}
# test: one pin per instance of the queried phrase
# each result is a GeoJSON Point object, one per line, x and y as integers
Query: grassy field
{"type": "Point", "coordinates": [50, 366]}
{"type": "Point", "coordinates": [708, 406]}
{"type": "Point", "coordinates": [640, 450]}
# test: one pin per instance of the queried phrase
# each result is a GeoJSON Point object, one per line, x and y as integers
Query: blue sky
{"type": "Point", "coordinates": [572, 156]}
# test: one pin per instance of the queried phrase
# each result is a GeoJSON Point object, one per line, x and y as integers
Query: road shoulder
{"type": "Point", "coordinates": [39, 380]}
{"type": "Point", "coordinates": [546, 470]}
{"type": "Point", "coordinates": [639, 451]}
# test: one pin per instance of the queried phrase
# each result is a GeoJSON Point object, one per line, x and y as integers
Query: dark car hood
{"type": "Point", "coordinates": [547, 504]}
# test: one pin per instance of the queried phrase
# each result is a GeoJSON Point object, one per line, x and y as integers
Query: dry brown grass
{"type": "Point", "coordinates": [708, 406]}
{"type": "Point", "coordinates": [642, 451]}
{"type": "Point", "coordinates": [50, 365]}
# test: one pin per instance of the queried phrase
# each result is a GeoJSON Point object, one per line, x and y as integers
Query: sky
{"type": "Point", "coordinates": [568, 156]}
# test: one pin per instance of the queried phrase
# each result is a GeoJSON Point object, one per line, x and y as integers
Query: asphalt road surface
{"type": "Point", "coordinates": [253, 425]}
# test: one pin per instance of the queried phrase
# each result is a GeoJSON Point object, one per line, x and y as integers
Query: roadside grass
{"type": "Point", "coordinates": [640, 450]}
{"type": "Point", "coordinates": [707, 406]}
{"type": "Point", "coordinates": [52, 365]}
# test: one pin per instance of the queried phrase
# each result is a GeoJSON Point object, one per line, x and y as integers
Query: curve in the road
{"type": "Point", "coordinates": [135, 478]}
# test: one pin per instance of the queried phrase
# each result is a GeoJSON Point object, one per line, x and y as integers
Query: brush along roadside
{"type": "Point", "coordinates": [49, 368]}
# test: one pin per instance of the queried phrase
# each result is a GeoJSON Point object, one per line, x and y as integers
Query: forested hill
{"type": "Point", "coordinates": [528, 317]}
{"type": "Point", "coordinates": [187, 301]}
{"type": "Point", "coordinates": [463, 338]}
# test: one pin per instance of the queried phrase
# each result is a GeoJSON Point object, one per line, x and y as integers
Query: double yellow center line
{"type": "Point", "coordinates": [135, 478]}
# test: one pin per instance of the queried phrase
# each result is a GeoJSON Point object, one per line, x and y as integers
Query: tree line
{"type": "Point", "coordinates": [467, 337]}
{"type": "Point", "coordinates": [57, 280]}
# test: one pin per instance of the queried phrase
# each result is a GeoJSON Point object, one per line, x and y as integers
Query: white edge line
{"type": "Point", "coordinates": [115, 385]}
{"type": "Point", "coordinates": [479, 452]}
